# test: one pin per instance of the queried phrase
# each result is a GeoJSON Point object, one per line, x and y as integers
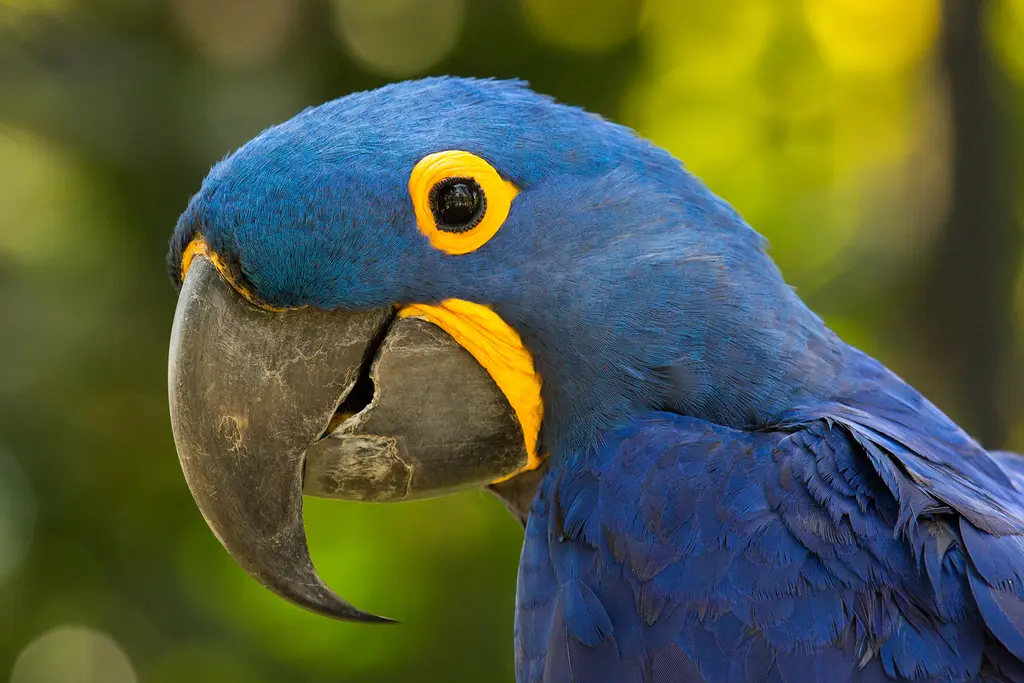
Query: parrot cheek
{"type": "Point", "coordinates": [268, 405]}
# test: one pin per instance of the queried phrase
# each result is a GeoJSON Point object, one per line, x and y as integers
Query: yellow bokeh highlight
{"type": "Point", "coordinates": [873, 36]}
{"type": "Point", "coordinates": [873, 125]}
{"type": "Point", "coordinates": [1004, 26]}
{"type": "Point", "coordinates": [803, 114]}
{"type": "Point", "coordinates": [43, 196]}
{"type": "Point", "coordinates": [706, 135]}
{"type": "Point", "coordinates": [707, 45]}
{"type": "Point", "coordinates": [588, 26]}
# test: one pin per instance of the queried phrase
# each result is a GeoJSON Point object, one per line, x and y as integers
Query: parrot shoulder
{"type": "Point", "coordinates": [688, 551]}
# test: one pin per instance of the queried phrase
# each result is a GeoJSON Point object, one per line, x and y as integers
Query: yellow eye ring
{"type": "Point", "coordinates": [463, 185]}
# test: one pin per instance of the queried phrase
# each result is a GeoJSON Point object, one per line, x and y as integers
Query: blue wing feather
{"type": "Point", "coordinates": [864, 539]}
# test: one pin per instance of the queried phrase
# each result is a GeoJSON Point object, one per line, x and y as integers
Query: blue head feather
{"type": "Point", "coordinates": [633, 286]}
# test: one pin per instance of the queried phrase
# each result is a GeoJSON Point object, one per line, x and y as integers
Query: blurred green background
{"type": "Point", "coordinates": [875, 142]}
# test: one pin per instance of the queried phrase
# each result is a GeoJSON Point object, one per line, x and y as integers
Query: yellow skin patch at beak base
{"type": "Point", "coordinates": [500, 350]}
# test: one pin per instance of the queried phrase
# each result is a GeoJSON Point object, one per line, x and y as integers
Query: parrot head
{"type": "Point", "coordinates": [445, 284]}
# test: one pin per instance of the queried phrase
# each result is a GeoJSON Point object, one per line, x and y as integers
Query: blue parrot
{"type": "Point", "coordinates": [453, 283]}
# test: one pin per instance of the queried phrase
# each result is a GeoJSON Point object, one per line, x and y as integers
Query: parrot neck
{"type": "Point", "coordinates": [725, 342]}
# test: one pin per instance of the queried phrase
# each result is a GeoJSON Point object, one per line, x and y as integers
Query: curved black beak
{"type": "Point", "coordinates": [253, 394]}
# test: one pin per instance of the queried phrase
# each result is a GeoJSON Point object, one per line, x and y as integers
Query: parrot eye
{"type": "Point", "coordinates": [458, 204]}
{"type": "Point", "coordinates": [459, 200]}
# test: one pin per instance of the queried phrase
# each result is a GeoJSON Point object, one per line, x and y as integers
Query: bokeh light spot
{"type": "Point", "coordinates": [1004, 24]}
{"type": "Point", "coordinates": [236, 33]}
{"type": "Point", "coordinates": [703, 46]}
{"type": "Point", "coordinates": [873, 36]}
{"type": "Point", "coordinates": [399, 37]}
{"type": "Point", "coordinates": [592, 26]}
{"type": "Point", "coordinates": [704, 135]}
{"type": "Point", "coordinates": [73, 654]}
{"type": "Point", "coordinates": [41, 196]}
{"type": "Point", "coordinates": [17, 516]}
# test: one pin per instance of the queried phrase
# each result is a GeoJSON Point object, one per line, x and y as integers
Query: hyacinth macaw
{"type": "Point", "coordinates": [455, 283]}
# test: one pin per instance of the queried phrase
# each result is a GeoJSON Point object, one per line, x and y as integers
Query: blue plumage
{"type": "Point", "coordinates": [734, 494]}
{"type": "Point", "coordinates": [808, 551]}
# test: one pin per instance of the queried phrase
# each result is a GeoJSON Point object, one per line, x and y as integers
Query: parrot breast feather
{"type": "Point", "coordinates": [841, 545]}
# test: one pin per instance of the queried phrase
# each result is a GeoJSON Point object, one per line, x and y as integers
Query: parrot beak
{"type": "Point", "coordinates": [266, 405]}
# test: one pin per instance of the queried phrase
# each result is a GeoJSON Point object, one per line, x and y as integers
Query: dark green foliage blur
{"type": "Point", "coordinates": [850, 132]}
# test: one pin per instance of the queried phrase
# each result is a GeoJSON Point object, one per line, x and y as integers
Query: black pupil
{"type": "Point", "coordinates": [457, 205]}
